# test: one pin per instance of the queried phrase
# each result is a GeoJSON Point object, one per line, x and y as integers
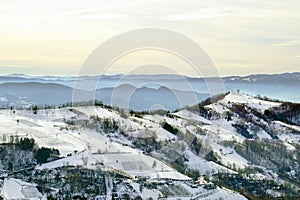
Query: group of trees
{"type": "Point", "coordinates": [271, 154]}
{"type": "Point", "coordinates": [148, 143]}
{"type": "Point", "coordinates": [255, 189]}
{"type": "Point", "coordinates": [26, 143]}
{"type": "Point", "coordinates": [243, 130]}
{"type": "Point", "coordinates": [203, 110]}
{"type": "Point", "coordinates": [253, 118]}
{"type": "Point", "coordinates": [23, 153]}
{"type": "Point", "coordinates": [43, 154]}
{"type": "Point", "coordinates": [286, 112]}
{"type": "Point", "coordinates": [181, 167]}
{"type": "Point", "coordinates": [71, 182]}
{"type": "Point", "coordinates": [107, 125]}
{"type": "Point", "coordinates": [170, 128]}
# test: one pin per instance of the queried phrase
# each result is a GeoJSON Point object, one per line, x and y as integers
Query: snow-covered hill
{"type": "Point", "coordinates": [157, 146]}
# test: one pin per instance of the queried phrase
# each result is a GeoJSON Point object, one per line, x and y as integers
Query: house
{"type": "Point", "coordinates": [13, 189]}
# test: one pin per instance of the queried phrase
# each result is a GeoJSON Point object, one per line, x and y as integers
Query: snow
{"type": "Point", "coordinates": [235, 97]}
{"type": "Point", "coordinates": [105, 113]}
{"type": "Point", "coordinates": [297, 128]}
{"type": "Point", "coordinates": [191, 116]}
{"type": "Point", "coordinates": [287, 137]}
{"type": "Point", "coordinates": [17, 189]}
{"type": "Point", "coordinates": [133, 164]}
{"type": "Point", "coordinates": [160, 133]}
{"type": "Point", "coordinates": [224, 130]}
{"type": "Point", "coordinates": [113, 152]}
{"type": "Point", "coordinates": [41, 128]}
{"type": "Point", "coordinates": [263, 135]}
{"type": "Point", "coordinates": [76, 160]}
{"type": "Point", "coordinates": [226, 195]}
{"type": "Point", "coordinates": [45, 128]}
{"type": "Point", "coordinates": [146, 193]}
{"type": "Point", "coordinates": [207, 194]}
{"type": "Point", "coordinates": [219, 107]}
{"type": "Point", "coordinates": [204, 166]}
{"type": "Point", "coordinates": [234, 159]}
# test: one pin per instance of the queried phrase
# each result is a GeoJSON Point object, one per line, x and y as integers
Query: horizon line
{"type": "Point", "coordinates": [120, 74]}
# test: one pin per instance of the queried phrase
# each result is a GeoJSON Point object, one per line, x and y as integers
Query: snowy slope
{"type": "Point", "coordinates": [17, 189]}
{"type": "Point", "coordinates": [81, 145]}
{"type": "Point", "coordinates": [235, 97]}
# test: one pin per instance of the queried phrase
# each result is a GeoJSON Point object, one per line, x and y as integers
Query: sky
{"type": "Point", "coordinates": [240, 36]}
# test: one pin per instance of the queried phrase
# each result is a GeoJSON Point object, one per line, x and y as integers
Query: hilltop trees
{"type": "Point", "coordinates": [35, 109]}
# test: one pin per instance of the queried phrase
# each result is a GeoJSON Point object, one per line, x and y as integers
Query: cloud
{"type": "Point", "coordinates": [9, 69]}
{"type": "Point", "coordinates": [96, 14]}
{"type": "Point", "coordinates": [204, 13]}
{"type": "Point", "coordinates": [103, 16]}
{"type": "Point", "coordinates": [288, 43]}
{"type": "Point", "coordinates": [241, 65]}
{"type": "Point", "coordinates": [268, 40]}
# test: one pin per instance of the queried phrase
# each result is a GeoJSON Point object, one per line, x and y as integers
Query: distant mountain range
{"type": "Point", "coordinates": [30, 93]}
{"type": "Point", "coordinates": [255, 77]}
{"type": "Point", "coordinates": [140, 92]}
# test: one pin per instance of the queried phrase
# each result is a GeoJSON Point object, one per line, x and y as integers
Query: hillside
{"type": "Point", "coordinates": [236, 142]}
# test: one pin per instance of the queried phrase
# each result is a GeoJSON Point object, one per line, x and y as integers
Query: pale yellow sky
{"type": "Point", "coordinates": [240, 36]}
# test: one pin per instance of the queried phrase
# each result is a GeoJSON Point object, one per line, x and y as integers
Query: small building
{"type": "Point", "coordinates": [13, 189]}
{"type": "Point", "coordinates": [201, 181]}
